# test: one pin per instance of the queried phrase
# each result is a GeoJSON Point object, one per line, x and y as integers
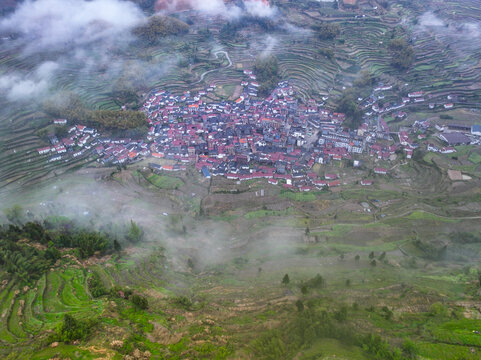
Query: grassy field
{"type": "Point", "coordinates": [165, 182]}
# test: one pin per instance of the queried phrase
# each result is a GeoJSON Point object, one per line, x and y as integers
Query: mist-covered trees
{"type": "Point", "coordinates": [230, 31]}
{"type": "Point", "coordinates": [158, 27]}
{"type": "Point", "coordinates": [402, 53]}
{"type": "Point", "coordinates": [135, 233]}
{"type": "Point", "coordinates": [267, 72]}
{"type": "Point", "coordinates": [364, 79]}
{"type": "Point", "coordinates": [14, 214]}
{"type": "Point", "coordinates": [20, 256]}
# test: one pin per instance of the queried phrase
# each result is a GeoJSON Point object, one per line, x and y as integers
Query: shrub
{"type": "Point", "coordinates": [140, 301]}
{"type": "Point", "coordinates": [96, 287]}
{"type": "Point", "coordinates": [183, 301]}
{"type": "Point", "coordinates": [73, 329]}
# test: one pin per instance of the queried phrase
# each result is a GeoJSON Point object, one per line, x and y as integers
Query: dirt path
{"type": "Point", "coordinates": [210, 71]}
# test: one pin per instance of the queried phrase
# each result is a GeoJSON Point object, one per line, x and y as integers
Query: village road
{"type": "Point", "coordinates": [216, 56]}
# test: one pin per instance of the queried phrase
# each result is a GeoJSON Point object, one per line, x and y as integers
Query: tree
{"type": "Point", "coordinates": [15, 214]}
{"type": "Point", "coordinates": [327, 31]}
{"type": "Point", "coordinates": [307, 231]}
{"type": "Point", "coordinates": [300, 305]}
{"type": "Point", "coordinates": [402, 53]}
{"type": "Point", "coordinates": [373, 263]}
{"type": "Point", "coordinates": [139, 301]}
{"type": "Point", "coordinates": [52, 252]}
{"type": "Point", "coordinates": [371, 255]}
{"type": "Point", "coordinates": [387, 313]}
{"type": "Point", "coordinates": [158, 27]}
{"type": "Point", "coordinates": [365, 79]}
{"type": "Point", "coordinates": [285, 279]}
{"type": "Point", "coordinates": [73, 329]}
{"type": "Point", "coordinates": [267, 72]}
{"type": "Point", "coordinates": [135, 232]}
{"type": "Point", "coordinates": [348, 282]}
{"type": "Point", "coordinates": [409, 349]}
{"type": "Point", "coordinates": [95, 285]}
{"type": "Point", "coordinates": [316, 282]}
{"type": "Point", "coordinates": [357, 258]}
{"type": "Point", "coordinates": [304, 289]}
{"type": "Point", "coordinates": [341, 314]}
{"type": "Point", "coordinates": [347, 105]}
{"type": "Point", "coordinates": [382, 256]}
{"type": "Point", "coordinates": [117, 246]}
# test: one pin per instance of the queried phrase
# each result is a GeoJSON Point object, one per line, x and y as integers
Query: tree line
{"type": "Point", "coordinates": [72, 108]}
{"type": "Point", "coordinates": [26, 261]}
{"type": "Point", "coordinates": [29, 250]}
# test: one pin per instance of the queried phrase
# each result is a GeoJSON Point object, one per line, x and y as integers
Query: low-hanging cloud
{"type": "Point", "coordinates": [429, 19]}
{"type": "Point", "coordinates": [258, 8]}
{"type": "Point", "coordinates": [56, 23]}
{"type": "Point", "coordinates": [23, 86]}
{"type": "Point", "coordinates": [268, 44]}
{"type": "Point", "coordinates": [465, 35]}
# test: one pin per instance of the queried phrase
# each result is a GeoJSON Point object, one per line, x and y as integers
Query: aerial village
{"type": "Point", "coordinates": [278, 138]}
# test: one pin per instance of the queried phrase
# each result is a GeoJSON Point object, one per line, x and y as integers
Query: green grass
{"type": "Point", "coordinates": [330, 349]}
{"type": "Point", "coordinates": [263, 213]}
{"type": "Point", "coordinates": [165, 182]}
{"type": "Point", "coordinates": [436, 351]}
{"type": "Point", "coordinates": [297, 196]}
{"type": "Point", "coordinates": [475, 158]}
{"type": "Point", "coordinates": [421, 215]}
{"type": "Point", "coordinates": [347, 248]}
{"type": "Point", "coordinates": [66, 351]}
{"type": "Point", "coordinates": [363, 194]}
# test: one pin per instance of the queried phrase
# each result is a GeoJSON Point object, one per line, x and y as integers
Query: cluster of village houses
{"type": "Point", "coordinates": [278, 138]}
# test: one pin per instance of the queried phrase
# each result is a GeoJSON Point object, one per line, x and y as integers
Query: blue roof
{"type": "Point", "coordinates": [476, 128]}
{"type": "Point", "coordinates": [205, 172]}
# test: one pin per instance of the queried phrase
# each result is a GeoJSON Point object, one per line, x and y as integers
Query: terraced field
{"type": "Point", "coordinates": [28, 311]}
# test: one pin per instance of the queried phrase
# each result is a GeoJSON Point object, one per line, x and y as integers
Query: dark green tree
{"type": "Point", "coordinates": [140, 301]}
{"type": "Point", "coordinates": [402, 53]}
{"type": "Point", "coordinates": [15, 214]}
{"type": "Point", "coordinates": [135, 232]}
{"type": "Point", "coordinates": [299, 305]}
{"type": "Point", "coordinates": [266, 69]}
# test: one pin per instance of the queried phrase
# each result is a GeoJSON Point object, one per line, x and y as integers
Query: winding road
{"type": "Point", "coordinates": [216, 56]}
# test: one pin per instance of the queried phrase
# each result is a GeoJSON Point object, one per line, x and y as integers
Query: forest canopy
{"type": "Point", "coordinates": [158, 27]}
{"type": "Point", "coordinates": [28, 251]}
{"type": "Point", "coordinates": [267, 70]}
{"type": "Point", "coordinates": [402, 53]}
{"type": "Point", "coordinates": [72, 108]}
